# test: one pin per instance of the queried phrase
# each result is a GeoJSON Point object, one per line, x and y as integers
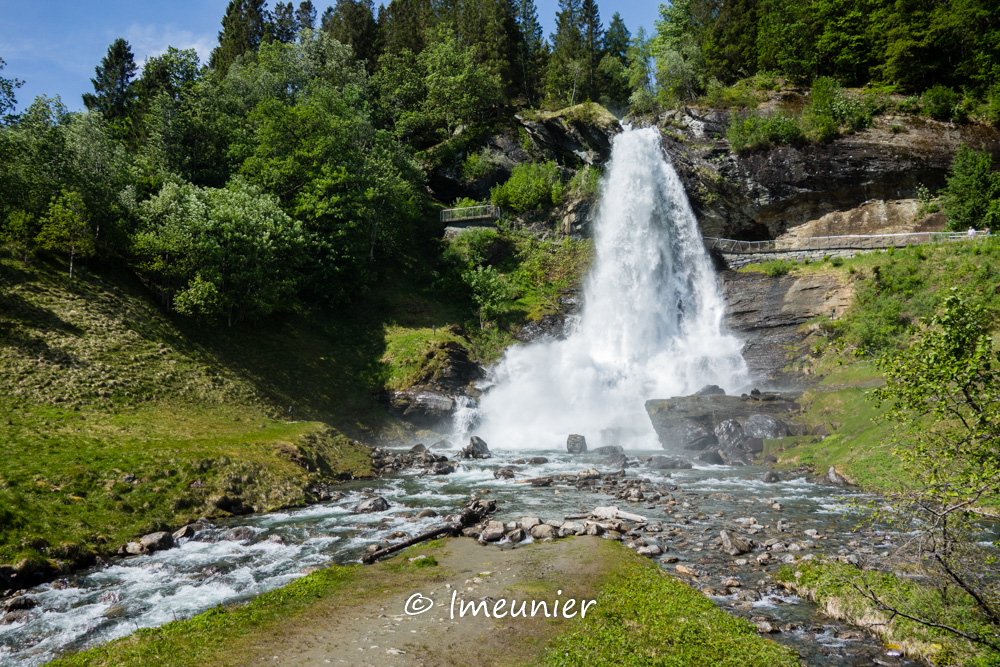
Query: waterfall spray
{"type": "Point", "coordinates": [651, 325]}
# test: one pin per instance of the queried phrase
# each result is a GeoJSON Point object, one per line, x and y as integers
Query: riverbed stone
{"type": "Point", "coordinates": [764, 426]}
{"type": "Point", "coordinates": [834, 477]}
{"type": "Point", "coordinates": [529, 522]}
{"type": "Point", "coordinates": [493, 532]}
{"type": "Point", "coordinates": [668, 463]}
{"type": "Point", "coordinates": [503, 473]}
{"type": "Point", "coordinates": [376, 504]}
{"type": "Point", "coordinates": [576, 444]}
{"type": "Point", "coordinates": [183, 532]}
{"type": "Point", "coordinates": [537, 460]}
{"type": "Point", "coordinates": [607, 450]}
{"type": "Point", "coordinates": [476, 449]}
{"type": "Point", "coordinates": [19, 603]}
{"type": "Point", "coordinates": [158, 541]}
{"type": "Point", "coordinates": [734, 545]}
{"type": "Point", "coordinates": [239, 534]}
{"type": "Point", "coordinates": [516, 535]}
{"type": "Point", "coordinates": [710, 390]}
{"type": "Point", "coordinates": [771, 477]}
{"type": "Point", "coordinates": [543, 531]}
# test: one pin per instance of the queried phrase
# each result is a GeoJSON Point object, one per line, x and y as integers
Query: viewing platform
{"type": "Point", "coordinates": [457, 217]}
{"type": "Point", "coordinates": [852, 242]}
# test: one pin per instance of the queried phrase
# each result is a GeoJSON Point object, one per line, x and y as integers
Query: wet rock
{"type": "Point", "coordinates": [541, 481]}
{"type": "Point", "coordinates": [116, 610]}
{"type": "Point", "coordinates": [239, 534]}
{"type": "Point", "coordinates": [503, 473]}
{"type": "Point", "coordinates": [186, 531]}
{"type": "Point", "coordinates": [537, 460]}
{"type": "Point", "coordinates": [19, 603]}
{"type": "Point", "coordinates": [771, 477]}
{"type": "Point", "coordinates": [418, 449]}
{"type": "Point", "coordinates": [576, 444]}
{"type": "Point", "coordinates": [589, 473]}
{"type": "Point", "coordinates": [159, 541]}
{"type": "Point", "coordinates": [572, 528]}
{"type": "Point", "coordinates": [376, 504]}
{"type": "Point", "coordinates": [689, 571]}
{"type": "Point", "coordinates": [733, 545]}
{"type": "Point", "coordinates": [426, 514]}
{"type": "Point", "coordinates": [730, 433]}
{"type": "Point", "coordinates": [650, 551]}
{"type": "Point", "coordinates": [748, 595]}
{"type": "Point", "coordinates": [765, 427]}
{"type": "Point", "coordinates": [530, 522]}
{"type": "Point", "coordinates": [834, 477]}
{"type": "Point", "coordinates": [731, 456]}
{"type": "Point", "coordinates": [607, 450]}
{"type": "Point", "coordinates": [711, 458]}
{"type": "Point", "coordinates": [443, 468]}
{"type": "Point", "coordinates": [710, 390]}
{"type": "Point", "coordinates": [688, 421]}
{"type": "Point", "coordinates": [442, 444]}
{"type": "Point", "coordinates": [493, 532]}
{"type": "Point", "coordinates": [12, 617]}
{"type": "Point", "coordinates": [476, 449]}
{"type": "Point", "coordinates": [543, 531]}
{"type": "Point", "coordinates": [667, 463]}
{"type": "Point", "coordinates": [766, 628]}
{"type": "Point", "coordinates": [516, 535]}
{"type": "Point", "coordinates": [595, 529]}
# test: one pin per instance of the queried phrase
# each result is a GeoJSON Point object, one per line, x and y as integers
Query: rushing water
{"type": "Point", "coordinates": [103, 603]}
{"type": "Point", "coordinates": [650, 326]}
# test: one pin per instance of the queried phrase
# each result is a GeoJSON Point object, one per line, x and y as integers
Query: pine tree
{"type": "Point", "coordinates": [566, 65]}
{"type": "Point", "coordinates": [402, 25]}
{"type": "Point", "coordinates": [353, 22]}
{"type": "Point", "coordinates": [305, 15]}
{"type": "Point", "coordinates": [614, 64]}
{"type": "Point", "coordinates": [246, 24]}
{"type": "Point", "coordinates": [114, 85]}
{"type": "Point", "coordinates": [489, 27]}
{"type": "Point", "coordinates": [616, 40]}
{"type": "Point", "coordinates": [531, 50]}
{"type": "Point", "coordinates": [592, 47]}
{"type": "Point", "coordinates": [285, 24]}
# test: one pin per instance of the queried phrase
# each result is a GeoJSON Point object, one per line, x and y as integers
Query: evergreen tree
{"type": "Point", "coordinates": [592, 48]}
{"type": "Point", "coordinates": [305, 15]}
{"type": "Point", "coordinates": [246, 24]}
{"type": "Point", "coordinates": [114, 87]}
{"type": "Point", "coordinates": [285, 24]}
{"type": "Point", "coordinates": [614, 64]}
{"type": "Point", "coordinates": [566, 65]}
{"type": "Point", "coordinates": [402, 24]}
{"type": "Point", "coordinates": [353, 22]}
{"type": "Point", "coordinates": [490, 28]}
{"type": "Point", "coordinates": [531, 52]}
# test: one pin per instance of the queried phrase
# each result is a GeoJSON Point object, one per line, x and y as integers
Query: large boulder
{"type": "Point", "coordinates": [690, 422]}
{"type": "Point", "coordinates": [668, 463]}
{"type": "Point", "coordinates": [765, 427]}
{"type": "Point", "coordinates": [158, 541]}
{"type": "Point", "coordinates": [710, 390]}
{"type": "Point", "coordinates": [376, 504]}
{"type": "Point", "coordinates": [576, 444]}
{"type": "Point", "coordinates": [733, 544]}
{"type": "Point", "coordinates": [476, 449]}
{"type": "Point", "coordinates": [730, 434]}
{"type": "Point", "coordinates": [607, 450]}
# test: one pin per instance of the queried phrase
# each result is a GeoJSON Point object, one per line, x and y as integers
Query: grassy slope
{"type": "Point", "coordinates": [98, 385]}
{"type": "Point", "coordinates": [642, 615]}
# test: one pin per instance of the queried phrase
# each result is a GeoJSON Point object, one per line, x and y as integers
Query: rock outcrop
{"type": "Point", "coordinates": [764, 193]}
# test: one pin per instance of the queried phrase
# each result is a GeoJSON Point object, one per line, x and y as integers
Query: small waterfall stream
{"type": "Point", "coordinates": [650, 326]}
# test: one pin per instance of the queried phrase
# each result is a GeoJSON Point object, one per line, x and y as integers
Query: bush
{"type": "Point", "coordinates": [531, 186]}
{"type": "Point", "coordinates": [490, 291]}
{"type": "Point", "coordinates": [940, 102]}
{"type": "Point", "coordinates": [757, 131]}
{"type": "Point", "coordinates": [585, 182]}
{"type": "Point", "coordinates": [777, 268]}
{"type": "Point", "coordinates": [479, 165]}
{"type": "Point", "coordinates": [830, 108]}
{"type": "Point", "coordinates": [972, 194]}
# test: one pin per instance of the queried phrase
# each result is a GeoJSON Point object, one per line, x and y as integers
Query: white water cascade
{"type": "Point", "coordinates": [651, 324]}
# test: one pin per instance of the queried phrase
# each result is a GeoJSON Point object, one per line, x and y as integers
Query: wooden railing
{"type": "Point", "coordinates": [484, 212]}
{"type": "Point", "coordinates": [857, 241]}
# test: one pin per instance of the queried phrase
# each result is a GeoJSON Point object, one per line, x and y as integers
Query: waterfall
{"type": "Point", "coordinates": [651, 324]}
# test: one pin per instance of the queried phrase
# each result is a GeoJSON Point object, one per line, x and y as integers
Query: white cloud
{"type": "Point", "coordinates": [149, 40]}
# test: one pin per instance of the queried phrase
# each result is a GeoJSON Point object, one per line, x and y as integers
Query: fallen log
{"type": "Point", "coordinates": [446, 529]}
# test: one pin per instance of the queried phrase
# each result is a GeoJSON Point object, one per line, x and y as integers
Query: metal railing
{"type": "Point", "coordinates": [856, 241]}
{"type": "Point", "coordinates": [470, 213]}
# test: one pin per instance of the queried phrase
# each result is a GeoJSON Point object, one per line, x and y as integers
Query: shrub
{"type": "Point", "coordinates": [531, 186]}
{"type": "Point", "coordinates": [479, 165]}
{"type": "Point", "coordinates": [490, 291]}
{"type": "Point", "coordinates": [836, 261]}
{"type": "Point", "coordinates": [756, 131]}
{"type": "Point", "coordinates": [940, 102]}
{"type": "Point", "coordinates": [585, 182]}
{"type": "Point", "coordinates": [777, 268]}
{"type": "Point", "coordinates": [972, 194]}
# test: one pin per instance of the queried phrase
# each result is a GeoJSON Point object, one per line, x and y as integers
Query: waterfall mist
{"type": "Point", "coordinates": [650, 326]}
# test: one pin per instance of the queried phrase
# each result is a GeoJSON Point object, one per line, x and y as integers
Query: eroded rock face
{"type": "Point", "coordinates": [764, 193]}
{"type": "Point", "coordinates": [768, 311]}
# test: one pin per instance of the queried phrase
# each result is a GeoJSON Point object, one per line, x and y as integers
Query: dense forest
{"type": "Point", "coordinates": [291, 167]}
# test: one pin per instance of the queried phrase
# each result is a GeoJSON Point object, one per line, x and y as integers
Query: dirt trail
{"type": "Point", "coordinates": [374, 630]}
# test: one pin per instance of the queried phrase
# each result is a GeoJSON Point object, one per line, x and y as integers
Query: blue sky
{"type": "Point", "coordinates": [54, 45]}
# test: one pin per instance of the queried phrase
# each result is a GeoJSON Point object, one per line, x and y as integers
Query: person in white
{"type": "Point", "coordinates": [972, 233]}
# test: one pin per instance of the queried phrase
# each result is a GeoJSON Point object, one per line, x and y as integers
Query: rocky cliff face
{"type": "Point", "coordinates": [763, 194]}
{"type": "Point", "coordinates": [768, 313]}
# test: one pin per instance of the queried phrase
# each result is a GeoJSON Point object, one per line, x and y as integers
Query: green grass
{"type": "Point", "coordinates": [645, 617]}
{"type": "Point", "coordinates": [829, 584]}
